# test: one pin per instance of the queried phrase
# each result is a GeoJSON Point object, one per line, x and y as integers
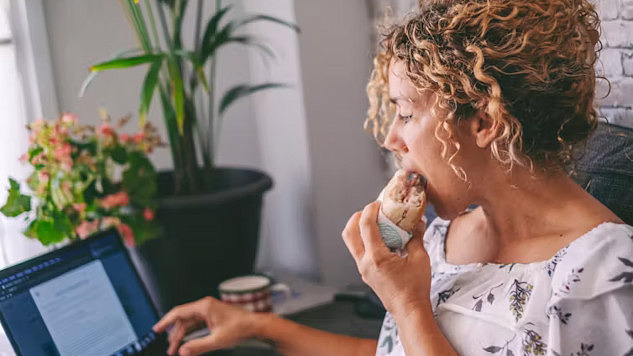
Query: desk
{"type": "Point", "coordinates": [337, 317]}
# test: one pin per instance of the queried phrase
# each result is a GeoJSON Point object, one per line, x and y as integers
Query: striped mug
{"type": "Point", "coordinates": [252, 292]}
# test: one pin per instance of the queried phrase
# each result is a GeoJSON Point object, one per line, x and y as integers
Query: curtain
{"type": "Point", "coordinates": [14, 247]}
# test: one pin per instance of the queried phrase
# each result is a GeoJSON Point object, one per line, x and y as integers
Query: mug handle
{"type": "Point", "coordinates": [287, 295]}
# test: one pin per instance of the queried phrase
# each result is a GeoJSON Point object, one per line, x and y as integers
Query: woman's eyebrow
{"type": "Point", "coordinates": [393, 100]}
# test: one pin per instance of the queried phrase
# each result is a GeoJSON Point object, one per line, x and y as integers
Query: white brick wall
{"type": "Point", "coordinates": [616, 61]}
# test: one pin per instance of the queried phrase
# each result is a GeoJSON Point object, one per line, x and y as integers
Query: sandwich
{"type": "Point", "coordinates": [403, 204]}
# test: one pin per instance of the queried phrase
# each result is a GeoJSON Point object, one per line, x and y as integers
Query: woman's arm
{"type": "Point", "coordinates": [420, 334]}
{"type": "Point", "coordinates": [293, 339]}
{"type": "Point", "coordinates": [402, 283]}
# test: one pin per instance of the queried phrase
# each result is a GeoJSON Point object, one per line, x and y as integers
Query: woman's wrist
{"type": "Point", "coordinates": [407, 308]}
{"type": "Point", "coordinates": [261, 323]}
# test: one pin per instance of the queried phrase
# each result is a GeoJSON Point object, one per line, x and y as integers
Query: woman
{"type": "Point", "coordinates": [491, 98]}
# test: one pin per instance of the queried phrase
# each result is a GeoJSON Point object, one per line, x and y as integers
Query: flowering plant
{"type": "Point", "coordinates": [87, 179]}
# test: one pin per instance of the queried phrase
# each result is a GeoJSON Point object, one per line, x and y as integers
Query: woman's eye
{"type": "Point", "coordinates": [405, 118]}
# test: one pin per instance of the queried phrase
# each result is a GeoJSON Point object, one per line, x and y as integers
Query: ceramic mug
{"type": "Point", "coordinates": [252, 292]}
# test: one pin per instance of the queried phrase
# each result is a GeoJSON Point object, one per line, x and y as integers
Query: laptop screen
{"type": "Point", "coordinates": [83, 299]}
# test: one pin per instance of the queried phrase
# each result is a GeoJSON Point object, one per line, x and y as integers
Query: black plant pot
{"type": "Point", "coordinates": [206, 238]}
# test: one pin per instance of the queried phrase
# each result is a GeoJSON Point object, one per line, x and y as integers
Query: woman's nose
{"type": "Point", "coordinates": [393, 140]}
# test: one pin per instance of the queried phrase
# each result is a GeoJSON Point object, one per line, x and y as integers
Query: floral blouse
{"type": "Point", "coordinates": [578, 303]}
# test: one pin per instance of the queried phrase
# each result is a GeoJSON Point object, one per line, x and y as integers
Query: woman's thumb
{"type": "Point", "coordinates": [198, 346]}
{"type": "Point", "coordinates": [416, 242]}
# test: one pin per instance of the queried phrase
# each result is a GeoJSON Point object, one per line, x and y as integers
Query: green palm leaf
{"type": "Point", "coordinates": [128, 62]}
{"type": "Point", "coordinates": [147, 93]}
{"type": "Point", "coordinates": [199, 68]}
{"type": "Point", "coordinates": [256, 18]}
{"type": "Point", "coordinates": [212, 28]}
{"type": "Point", "coordinates": [92, 75]}
{"type": "Point", "coordinates": [177, 93]}
{"type": "Point", "coordinates": [242, 90]}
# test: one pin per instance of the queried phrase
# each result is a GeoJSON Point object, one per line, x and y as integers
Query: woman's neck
{"type": "Point", "coordinates": [523, 206]}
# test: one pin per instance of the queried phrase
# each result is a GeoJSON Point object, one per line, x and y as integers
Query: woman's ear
{"type": "Point", "coordinates": [484, 129]}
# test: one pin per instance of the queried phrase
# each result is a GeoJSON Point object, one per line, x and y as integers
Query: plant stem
{"type": "Point", "coordinates": [141, 28]}
{"type": "Point", "coordinates": [130, 18]}
{"type": "Point", "coordinates": [211, 145]}
{"type": "Point", "coordinates": [152, 22]}
{"type": "Point", "coordinates": [163, 24]}
{"type": "Point", "coordinates": [196, 39]}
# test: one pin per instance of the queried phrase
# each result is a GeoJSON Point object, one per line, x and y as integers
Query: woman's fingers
{"type": "Point", "coordinates": [417, 244]}
{"type": "Point", "coordinates": [369, 232]}
{"type": "Point", "coordinates": [194, 310]}
{"type": "Point", "coordinates": [201, 345]}
{"type": "Point", "coordinates": [176, 335]}
{"type": "Point", "coordinates": [351, 237]}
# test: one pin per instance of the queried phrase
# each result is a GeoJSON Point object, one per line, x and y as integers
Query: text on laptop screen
{"type": "Point", "coordinates": [79, 300]}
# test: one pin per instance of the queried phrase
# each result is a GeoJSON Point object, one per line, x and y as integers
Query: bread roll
{"type": "Point", "coordinates": [404, 199]}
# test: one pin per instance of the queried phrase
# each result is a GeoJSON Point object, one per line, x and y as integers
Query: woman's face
{"type": "Point", "coordinates": [412, 139]}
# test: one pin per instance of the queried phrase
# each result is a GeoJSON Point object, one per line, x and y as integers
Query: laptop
{"type": "Point", "coordinates": [85, 299]}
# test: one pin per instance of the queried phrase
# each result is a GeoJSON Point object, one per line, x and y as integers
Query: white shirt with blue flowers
{"type": "Point", "coordinates": [578, 303]}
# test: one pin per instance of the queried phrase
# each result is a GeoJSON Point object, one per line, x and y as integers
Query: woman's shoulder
{"type": "Point", "coordinates": [595, 263]}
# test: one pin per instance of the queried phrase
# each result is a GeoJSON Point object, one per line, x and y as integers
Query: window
{"type": "Point", "coordinates": [14, 247]}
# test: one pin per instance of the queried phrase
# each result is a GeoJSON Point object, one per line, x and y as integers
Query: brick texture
{"type": "Point", "coordinates": [616, 61]}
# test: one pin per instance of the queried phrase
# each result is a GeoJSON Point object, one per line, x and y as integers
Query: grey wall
{"type": "Point", "coordinates": [616, 61]}
{"type": "Point", "coordinates": [324, 165]}
{"type": "Point", "coordinates": [346, 168]}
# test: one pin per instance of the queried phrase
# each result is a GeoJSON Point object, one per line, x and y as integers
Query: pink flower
{"type": "Point", "coordinates": [110, 221]}
{"type": "Point", "coordinates": [24, 158]}
{"type": "Point", "coordinates": [148, 214]}
{"type": "Point", "coordinates": [40, 158]}
{"type": "Point", "coordinates": [117, 199]}
{"type": "Point", "coordinates": [128, 234]}
{"type": "Point", "coordinates": [105, 130]}
{"type": "Point", "coordinates": [62, 153]}
{"type": "Point", "coordinates": [32, 137]}
{"type": "Point", "coordinates": [80, 207]}
{"type": "Point", "coordinates": [86, 228]}
{"type": "Point", "coordinates": [125, 138]}
{"type": "Point", "coordinates": [138, 137]}
{"type": "Point", "coordinates": [43, 177]}
{"type": "Point", "coordinates": [37, 125]}
{"type": "Point", "coordinates": [60, 130]}
{"type": "Point", "coordinates": [69, 119]}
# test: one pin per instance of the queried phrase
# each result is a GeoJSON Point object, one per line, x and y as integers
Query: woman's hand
{"type": "Point", "coordinates": [228, 325]}
{"type": "Point", "coordinates": [401, 283]}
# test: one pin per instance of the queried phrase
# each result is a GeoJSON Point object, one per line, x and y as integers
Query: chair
{"type": "Point", "coordinates": [605, 168]}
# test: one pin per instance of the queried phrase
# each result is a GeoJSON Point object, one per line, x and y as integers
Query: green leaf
{"type": "Point", "coordinates": [34, 152]}
{"type": "Point", "coordinates": [212, 28]}
{"type": "Point", "coordinates": [92, 75]}
{"type": "Point", "coordinates": [118, 154]}
{"type": "Point", "coordinates": [177, 94]}
{"type": "Point", "coordinates": [256, 18]}
{"type": "Point", "coordinates": [243, 90]}
{"type": "Point", "coordinates": [139, 180]}
{"type": "Point", "coordinates": [179, 12]}
{"type": "Point", "coordinates": [16, 203]}
{"type": "Point", "coordinates": [195, 61]}
{"type": "Point", "coordinates": [50, 231]}
{"type": "Point", "coordinates": [213, 43]}
{"type": "Point", "coordinates": [126, 62]}
{"type": "Point", "coordinates": [149, 86]}
{"type": "Point", "coordinates": [143, 230]}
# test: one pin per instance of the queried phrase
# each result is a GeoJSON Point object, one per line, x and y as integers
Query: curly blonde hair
{"type": "Point", "coordinates": [528, 65]}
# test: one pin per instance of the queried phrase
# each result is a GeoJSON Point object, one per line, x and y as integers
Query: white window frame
{"type": "Point", "coordinates": [34, 59]}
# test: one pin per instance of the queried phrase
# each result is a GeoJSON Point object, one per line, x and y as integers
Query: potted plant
{"type": "Point", "coordinates": [210, 214]}
{"type": "Point", "coordinates": [86, 179]}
